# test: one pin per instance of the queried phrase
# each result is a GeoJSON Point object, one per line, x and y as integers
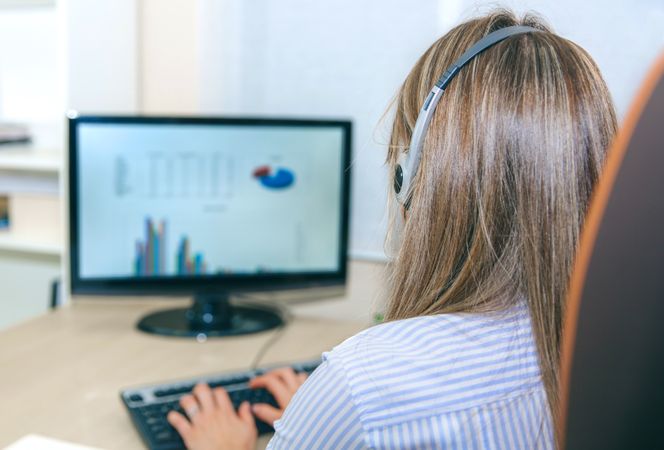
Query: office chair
{"type": "Point", "coordinates": [612, 372]}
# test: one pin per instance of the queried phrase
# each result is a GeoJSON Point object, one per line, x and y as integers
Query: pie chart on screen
{"type": "Point", "coordinates": [274, 178]}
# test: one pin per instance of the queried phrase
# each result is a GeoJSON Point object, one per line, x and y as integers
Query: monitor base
{"type": "Point", "coordinates": [211, 316]}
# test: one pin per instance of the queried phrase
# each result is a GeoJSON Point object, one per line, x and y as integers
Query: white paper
{"type": "Point", "coordinates": [35, 442]}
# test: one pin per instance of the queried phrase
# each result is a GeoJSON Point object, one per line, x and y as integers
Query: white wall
{"type": "Point", "coordinates": [101, 53]}
{"type": "Point", "coordinates": [346, 58]}
{"type": "Point", "coordinates": [31, 70]}
{"type": "Point", "coordinates": [169, 59]}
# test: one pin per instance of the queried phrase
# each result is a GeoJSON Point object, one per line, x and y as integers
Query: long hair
{"type": "Point", "coordinates": [508, 166]}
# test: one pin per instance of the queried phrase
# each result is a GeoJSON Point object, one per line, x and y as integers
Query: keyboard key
{"type": "Point", "coordinates": [136, 398]}
{"type": "Point", "coordinates": [164, 436]}
{"type": "Point", "coordinates": [173, 391]}
{"type": "Point", "coordinates": [229, 381]}
{"type": "Point", "coordinates": [153, 421]}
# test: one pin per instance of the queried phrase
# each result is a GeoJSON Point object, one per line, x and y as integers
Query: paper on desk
{"type": "Point", "coordinates": [35, 442]}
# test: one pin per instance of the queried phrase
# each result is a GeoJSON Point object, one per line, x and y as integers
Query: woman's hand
{"type": "Point", "coordinates": [282, 384]}
{"type": "Point", "coordinates": [213, 423]}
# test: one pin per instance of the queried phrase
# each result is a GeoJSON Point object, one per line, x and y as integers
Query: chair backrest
{"type": "Point", "coordinates": [612, 383]}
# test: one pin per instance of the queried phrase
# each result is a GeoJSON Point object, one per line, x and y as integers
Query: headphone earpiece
{"type": "Point", "coordinates": [398, 178]}
{"type": "Point", "coordinates": [401, 181]}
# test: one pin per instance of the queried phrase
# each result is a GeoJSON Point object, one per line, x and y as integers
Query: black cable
{"type": "Point", "coordinates": [266, 346]}
{"type": "Point", "coordinates": [286, 317]}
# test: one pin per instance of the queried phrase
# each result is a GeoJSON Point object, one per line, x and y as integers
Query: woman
{"type": "Point", "coordinates": [469, 355]}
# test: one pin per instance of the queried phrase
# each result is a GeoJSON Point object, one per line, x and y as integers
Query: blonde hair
{"type": "Point", "coordinates": [508, 165]}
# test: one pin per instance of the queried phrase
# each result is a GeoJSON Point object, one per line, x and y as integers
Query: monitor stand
{"type": "Point", "coordinates": [211, 315]}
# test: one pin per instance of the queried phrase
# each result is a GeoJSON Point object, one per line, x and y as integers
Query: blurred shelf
{"type": "Point", "coordinates": [14, 244]}
{"type": "Point", "coordinates": [27, 158]}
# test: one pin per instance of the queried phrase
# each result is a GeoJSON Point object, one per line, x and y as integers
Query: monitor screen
{"type": "Point", "coordinates": [235, 201]}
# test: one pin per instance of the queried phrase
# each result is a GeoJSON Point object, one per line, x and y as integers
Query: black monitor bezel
{"type": "Point", "coordinates": [193, 285]}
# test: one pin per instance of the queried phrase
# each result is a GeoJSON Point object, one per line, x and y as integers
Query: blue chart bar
{"type": "Point", "coordinates": [150, 257]}
{"type": "Point", "coordinates": [198, 264]}
{"type": "Point", "coordinates": [138, 261]}
{"type": "Point", "coordinates": [186, 264]}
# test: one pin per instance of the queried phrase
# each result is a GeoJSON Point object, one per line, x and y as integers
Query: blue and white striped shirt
{"type": "Point", "coordinates": [451, 381]}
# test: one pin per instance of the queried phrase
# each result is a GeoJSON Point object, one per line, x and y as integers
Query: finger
{"type": "Point", "coordinates": [244, 411]}
{"type": "Point", "coordinates": [181, 424]}
{"type": "Point", "coordinates": [261, 378]}
{"type": "Point", "coordinates": [276, 386]}
{"type": "Point", "coordinates": [267, 413]}
{"type": "Point", "coordinates": [288, 375]}
{"type": "Point", "coordinates": [302, 376]}
{"type": "Point", "coordinates": [190, 406]}
{"type": "Point", "coordinates": [223, 401]}
{"type": "Point", "coordinates": [204, 396]}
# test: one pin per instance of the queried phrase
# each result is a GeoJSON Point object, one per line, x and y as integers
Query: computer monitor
{"type": "Point", "coordinates": [207, 207]}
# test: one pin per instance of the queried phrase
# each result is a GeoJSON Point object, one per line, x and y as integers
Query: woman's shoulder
{"type": "Point", "coordinates": [443, 363]}
{"type": "Point", "coordinates": [427, 335]}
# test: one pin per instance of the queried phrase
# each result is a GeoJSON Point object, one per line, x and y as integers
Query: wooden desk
{"type": "Point", "coordinates": [61, 373]}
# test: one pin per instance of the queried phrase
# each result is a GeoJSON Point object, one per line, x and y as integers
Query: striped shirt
{"type": "Point", "coordinates": [451, 381]}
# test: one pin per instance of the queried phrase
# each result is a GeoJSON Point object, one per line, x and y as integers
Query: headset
{"type": "Point", "coordinates": [407, 166]}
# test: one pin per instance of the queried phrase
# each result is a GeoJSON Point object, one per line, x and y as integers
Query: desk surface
{"type": "Point", "coordinates": [61, 373]}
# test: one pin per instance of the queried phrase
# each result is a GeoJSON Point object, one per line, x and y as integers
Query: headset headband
{"type": "Point", "coordinates": [407, 168]}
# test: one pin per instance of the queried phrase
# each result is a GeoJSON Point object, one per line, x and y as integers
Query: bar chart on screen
{"type": "Point", "coordinates": [152, 253]}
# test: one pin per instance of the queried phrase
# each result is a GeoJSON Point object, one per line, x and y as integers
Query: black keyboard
{"type": "Point", "coordinates": [149, 405]}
